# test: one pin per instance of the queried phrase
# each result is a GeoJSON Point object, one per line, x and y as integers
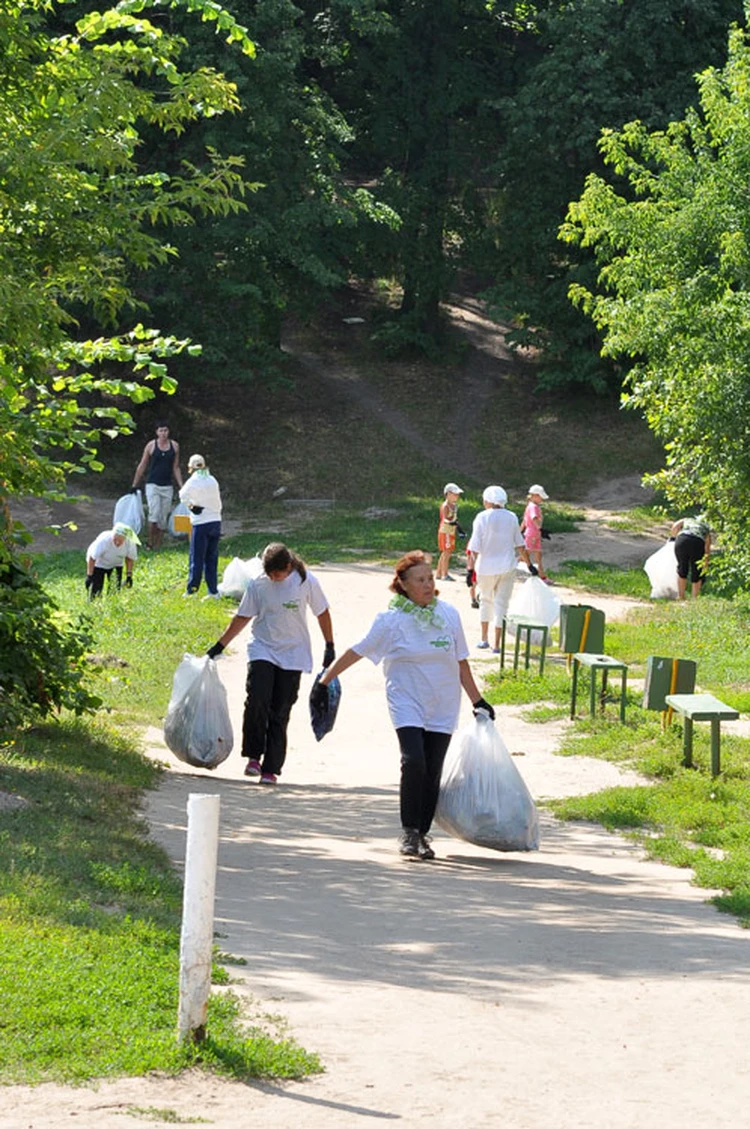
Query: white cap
{"type": "Point", "coordinates": [195, 462]}
{"type": "Point", "coordinates": [495, 496]}
{"type": "Point", "coordinates": [538, 490]}
{"type": "Point", "coordinates": [451, 488]}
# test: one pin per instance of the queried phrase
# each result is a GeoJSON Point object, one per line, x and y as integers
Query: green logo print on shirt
{"type": "Point", "coordinates": [292, 604]}
{"type": "Point", "coordinates": [443, 642]}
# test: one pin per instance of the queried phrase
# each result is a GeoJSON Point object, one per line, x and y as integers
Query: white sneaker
{"type": "Point", "coordinates": [211, 596]}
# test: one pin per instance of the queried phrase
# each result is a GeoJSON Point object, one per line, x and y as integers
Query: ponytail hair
{"type": "Point", "coordinates": [409, 560]}
{"type": "Point", "coordinates": [276, 557]}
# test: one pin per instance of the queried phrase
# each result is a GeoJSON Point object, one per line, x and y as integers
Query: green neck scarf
{"type": "Point", "coordinates": [426, 617]}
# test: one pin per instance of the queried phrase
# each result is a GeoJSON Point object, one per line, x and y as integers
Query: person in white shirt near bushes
{"type": "Point", "coordinates": [202, 497]}
{"type": "Point", "coordinates": [496, 542]}
{"type": "Point", "coordinates": [112, 549]}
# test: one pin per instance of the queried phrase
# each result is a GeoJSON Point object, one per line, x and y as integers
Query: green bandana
{"type": "Point", "coordinates": [425, 617]}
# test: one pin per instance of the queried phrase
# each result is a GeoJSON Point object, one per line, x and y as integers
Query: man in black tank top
{"type": "Point", "coordinates": [160, 465]}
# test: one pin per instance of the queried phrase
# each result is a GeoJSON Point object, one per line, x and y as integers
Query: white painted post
{"type": "Point", "coordinates": [196, 939]}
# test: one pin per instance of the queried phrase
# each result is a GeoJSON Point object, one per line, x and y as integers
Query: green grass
{"type": "Point", "coordinates": [89, 924]}
{"type": "Point", "coordinates": [595, 576]}
{"type": "Point", "coordinates": [682, 816]}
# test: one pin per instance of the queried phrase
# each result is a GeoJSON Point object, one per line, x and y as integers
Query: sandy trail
{"type": "Point", "coordinates": [579, 986]}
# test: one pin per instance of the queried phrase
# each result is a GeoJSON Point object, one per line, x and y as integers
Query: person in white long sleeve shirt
{"type": "Point", "coordinates": [495, 544]}
{"type": "Point", "coordinates": [202, 497]}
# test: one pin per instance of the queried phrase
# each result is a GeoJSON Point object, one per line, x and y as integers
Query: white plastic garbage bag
{"type": "Point", "coordinates": [129, 510]}
{"type": "Point", "coordinates": [534, 600]}
{"type": "Point", "coordinates": [661, 569]}
{"type": "Point", "coordinates": [237, 576]}
{"type": "Point", "coordinates": [197, 727]}
{"type": "Point", "coordinates": [483, 798]}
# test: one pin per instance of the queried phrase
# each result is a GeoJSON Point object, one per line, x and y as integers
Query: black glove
{"type": "Point", "coordinates": [545, 535]}
{"type": "Point", "coordinates": [480, 704]}
{"type": "Point", "coordinates": [469, 577]}
{"type": "Point", "coordinates": [128, 581]}
{"type": "Point", "coordinates": [215, 651]}
{"type": "Point", "coordinates": [533, 570]}
{"type": "Point", "coordinates": [319, 697]}
{"type": "Point", "coordinates": [89, 581]}
{"type": "Point", "coordinates": [329, 654]}
{"type": "Point", "coordinates": [461, 532]}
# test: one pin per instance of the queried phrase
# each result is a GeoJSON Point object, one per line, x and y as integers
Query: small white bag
{"type": "Point", "coordinates": [237, 576]}
{"type": "Point", "coordinates": [179, 521]}
{"type": "Point", "coordinates": [661, 569]}
{"type": "Point", "coordinates": [197, 727]}
{"type": "Point", "coordinates": [533, 600]}
{"type": "Point", "coordinates": [129, 510]}
{"type": "Point", "coordinates": [483, 798]}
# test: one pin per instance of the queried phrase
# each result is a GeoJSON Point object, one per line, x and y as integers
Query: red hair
{"type": "Point", "coordinates": [409, 560]}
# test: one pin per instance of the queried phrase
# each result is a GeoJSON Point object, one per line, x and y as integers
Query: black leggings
{"type": "Point", "coordinates": [271, 693]}
{"type": "Point", "coordinates": [690, 551]}
{"type": "Point", "coordinates": [97, 579]}
{"type": "Point", "coordinates": [422, 756]}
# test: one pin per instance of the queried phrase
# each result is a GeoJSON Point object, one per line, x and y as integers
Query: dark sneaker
{"type": "Point", "coordinates": [425, 850]}
{"type": "Point", "coordinates": [410, 843]}
{"type": "Point", "coordinates": [252, 768]}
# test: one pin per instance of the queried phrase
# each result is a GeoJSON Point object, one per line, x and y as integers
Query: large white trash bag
{"type": "Point", "coordinates": [483, 798]}
{"type": "Point", "coordinates": [237, 576]}
{"type": "Point", "coordinates": [661, 569]}
{"type": "Point", "coordinates": [197, 727]}
{"type": "Point", "coordinates": [129, 510]}
{"type": "Point", "coordinates": [534, 600]}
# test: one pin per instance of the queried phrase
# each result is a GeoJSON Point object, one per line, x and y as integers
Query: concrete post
{"type": "Point", "coordinates": [196, 939]}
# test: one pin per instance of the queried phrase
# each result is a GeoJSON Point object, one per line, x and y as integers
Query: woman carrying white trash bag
{"type": "Point", "coordinates": [425, 658]}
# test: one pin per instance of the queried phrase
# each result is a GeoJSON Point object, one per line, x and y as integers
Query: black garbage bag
{"type": "Point", "coordinates": [322, 716]}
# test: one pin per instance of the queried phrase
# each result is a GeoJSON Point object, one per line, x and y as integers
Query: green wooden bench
{"type": "Point", "coordinates": [606, 664]}
{"type": "Point", "coordinates": [701, 707]}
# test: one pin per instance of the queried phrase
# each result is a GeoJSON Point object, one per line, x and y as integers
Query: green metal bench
{"type": "Point", "coordinates": [701, 707]}
{"type": "Point", "coordinates": [523, 626]}
{"type": "Point", "coordinates": [606, 664]}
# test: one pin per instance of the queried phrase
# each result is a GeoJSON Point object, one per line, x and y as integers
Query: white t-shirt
{"type": "Point", "coordinates": [279, 629]}
{"type": "Point", "coordinates": [108, 555]}
{"type": "Point", "coordinates": [202, 490]}
{"type": "Point", "coordinates": [495, 535]}
{"type": "Point", "coordinates": [420, 663]}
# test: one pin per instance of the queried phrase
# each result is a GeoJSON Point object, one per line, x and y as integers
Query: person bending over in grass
{"type": "Point", "coordinates": [692, 548]}
{"type": "Point", "coordinates": [421, 643]}
{"type": "Point", "coordinates": [107, 554]}
{"type": "Point", "coordinates": [278, 652]}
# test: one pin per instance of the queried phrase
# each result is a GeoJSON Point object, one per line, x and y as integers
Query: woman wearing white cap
{"type": "Point", "coordinates": [495, 544]}
{"type": "Point", "coordinates": [202, 497]}
{"type": "Point", "coordinates": [531, 525]}
{"type": "Point", "coordinates": [107, 554]}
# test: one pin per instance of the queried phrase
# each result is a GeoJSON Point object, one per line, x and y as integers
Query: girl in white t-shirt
{"type": "Point", "coordinates": [278, 652]}
{"type": "Point", "coordinates": [425, 660]}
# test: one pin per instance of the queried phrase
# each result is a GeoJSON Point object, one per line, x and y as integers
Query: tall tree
{"type": "Point", "coordinates": [673, 297]}
{"type": "Point", "coordinates": [589, 64]}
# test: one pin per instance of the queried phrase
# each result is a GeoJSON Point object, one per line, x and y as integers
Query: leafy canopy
{"type": "Point", "coordinates": [673, 294]}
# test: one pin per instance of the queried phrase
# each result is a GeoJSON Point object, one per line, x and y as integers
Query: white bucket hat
{"type": "Point", "coordinates": [451, 488]}
{"type": "Point", "coordinates": [537, 489]}
{"type": "Point", "coordinates": [495, 496]}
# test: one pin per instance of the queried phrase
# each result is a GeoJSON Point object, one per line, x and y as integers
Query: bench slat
{"type": "Point", "coordinates": [701, 707]}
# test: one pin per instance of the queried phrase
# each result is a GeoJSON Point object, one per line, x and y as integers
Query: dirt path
{"type": "Point", "coordinates": [579, 986]}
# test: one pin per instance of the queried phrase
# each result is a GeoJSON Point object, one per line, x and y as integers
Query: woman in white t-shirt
{"type": "Point", "coordinates": [425, 660]}
{"type": "Point", "coordinates": [278, 652]}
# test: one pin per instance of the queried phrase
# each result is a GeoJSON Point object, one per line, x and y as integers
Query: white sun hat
{"type": "Point", "coordinates": [451, 488]}
{"type": "Point", "coordinates": [537, 489]}
{"type": "Point", "coordinates": [495, 496]}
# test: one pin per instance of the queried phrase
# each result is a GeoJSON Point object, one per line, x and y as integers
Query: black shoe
{"type": "Point", "coordinates": [410, 843]}
{"type": "Point", "coordinates": [425, 850]}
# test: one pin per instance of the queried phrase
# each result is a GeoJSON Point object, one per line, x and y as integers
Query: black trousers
{"type": "Point", "coordinates": [97, 580]}
{"type": "Point", "coordinates": [422, 756]}
{"type": "Point", "coordinates": [270, 694]}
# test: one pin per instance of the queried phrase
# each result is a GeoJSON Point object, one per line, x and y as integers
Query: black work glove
{"type": "Point", "coordinates": [319, 697]}
{"type": "Point", "coordinates": [215, 651]}
{"type": "Point", "coordinates": [480, 704]}
{"type": "Point", "coordinates": [533, 570]}
{"type": "Point", "coordinates": [128, 581]}
{"type": "Point", "coordinates": [469, 577]}
{"type": "Point", "coordinates": [329, 654]}
{"type": "Point", "coordinates": [545, 535]}
{"type": "Point", "coordinates": [195, 509]}
{"type": "Point", "coordinates": [461, 532]}
{"type": "Point", "coordinates": [89, 581]}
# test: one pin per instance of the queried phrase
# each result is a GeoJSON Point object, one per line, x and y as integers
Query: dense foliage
{"type": "Point", "coordinates": [673, 294]}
